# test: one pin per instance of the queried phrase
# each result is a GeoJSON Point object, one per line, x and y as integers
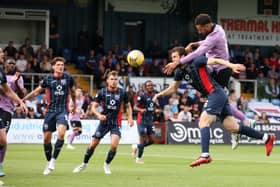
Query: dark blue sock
{"type": "Point", "coordinates": [148, 142]}
{"type": "Point", "coordinates": [205, 139]}
{"type": "Point", "coordinates": [57, 148]}
{"type": "Point", "coordinates": [88, 155]}
{"type": "Point", "coordinates": [250, 132]}
{"type": "Point", "coordinates": [110, 156]}
{"type": "Point", "coordinates": [48, 151]}
{"type": "Point", "coordinates": [140, 150]}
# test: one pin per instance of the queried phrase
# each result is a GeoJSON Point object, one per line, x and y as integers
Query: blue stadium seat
{"type": "Point", "coordinates": [265, 100]}
{"type": "Point", "coordinates": [250, 115]}
{"type": "Point", "coordinates": [149, 61]}
{"type": "Point", "coordinates": [254, 100]}
{"type": "Point", "coordinates": [275, 102]}
{"type": "Point", "coordinates": [67, 54]}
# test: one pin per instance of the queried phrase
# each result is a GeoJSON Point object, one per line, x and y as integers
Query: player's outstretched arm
{"type": "Point", "coordinates": [172, 88]}
{"type": "Point", "coordinates": [237, 68]}
{"type": "Point", "coordinates": [34, 93]}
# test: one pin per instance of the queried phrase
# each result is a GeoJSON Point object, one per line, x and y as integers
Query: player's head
{"type": "Point", "coordinates": [10, 66]}
{"type": "Point", "coordinates": [177, 52]}
{"type": "Point", "coordinates": [112, 79]}
{"type": "Point", "coordinates": [149, 86]}
{"type": "Point", "coordinates": [1, 56]}
{"type": "Point", "coordinates": [203, 24]}
{"type": "Point", "coordinates": [58, 65]}
{"type": "Point", "coordinates": [78, 92]}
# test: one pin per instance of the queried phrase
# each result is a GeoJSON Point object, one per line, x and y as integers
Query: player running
{"type": "Point", "coordinates": [58, 86]}
{"type": "Point", "coordinates": [145, 107]}
{"type": "Point", "coordinates": [111, 99]}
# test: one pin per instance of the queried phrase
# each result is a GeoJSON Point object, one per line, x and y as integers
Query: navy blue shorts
{"type": "Point", "coordinates": [76, 124]}
{"type": "Point", "coordinates": [146, 128]}
{"type": "Point", "coordinates": [5, 120]}
{"type": "Point", "coordinates": [104, 128]}
{"type": "Point", "coordinates": [218, 104]}
{"type": "Point", "coordinates": [54, 118]}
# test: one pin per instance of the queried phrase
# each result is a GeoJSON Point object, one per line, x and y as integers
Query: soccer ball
{"type": "Point", "coordinates": [135, 58]}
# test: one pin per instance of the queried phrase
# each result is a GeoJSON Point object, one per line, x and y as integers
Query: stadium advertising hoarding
{"type": "Point", "coordinates": [189, 133]}
{"type": "Point", "coordinates": [30, 131]}
{"type": "Point", "coordinates": [248, 26]}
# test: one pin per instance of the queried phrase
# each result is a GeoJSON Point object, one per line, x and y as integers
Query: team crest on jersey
{"type": "Point", "coordinates": [46, 126]}
{"type": "Point", "coordinates": [188, 78]}
{"type": "Point", "coordinates": [63, 81]}
{"type": "Point", "coordinates": [117, 97]}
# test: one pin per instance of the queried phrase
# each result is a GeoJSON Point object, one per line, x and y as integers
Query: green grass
{"type": "Point", "coordinates": [165, 166]}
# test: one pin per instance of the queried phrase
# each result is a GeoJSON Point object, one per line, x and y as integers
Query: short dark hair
{"type": "Point", "coordinates": [179, 49]}
{"type": "Point", "coordinates": [202, 19]}
{"type": "Point", "coordinates": [53, 62]}
{"type": "Point", "coordinates": [112, 73]}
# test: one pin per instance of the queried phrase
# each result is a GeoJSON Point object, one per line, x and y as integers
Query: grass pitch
{"type": "Point", "coordinates": [165, 166]}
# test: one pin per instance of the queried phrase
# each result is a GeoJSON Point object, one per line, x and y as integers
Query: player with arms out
{"type": "Point", "coordinates": [58, 86]}
{"type": "Point", "coordinates": [111, 98]}
{"type": "Point", "coordinates": [145, 107]}
{"type": "Point", "coordinates": [75, 117]}
{"type": "Point", "coordinates": [195, 73]}
{"type": "Point", "coordinates": [7, 99]}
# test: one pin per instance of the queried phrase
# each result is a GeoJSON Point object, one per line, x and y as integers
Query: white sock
{"type": "Point", "coordinates": [204, 155]}
{"type": "Point", "coordinates": [265, 137]}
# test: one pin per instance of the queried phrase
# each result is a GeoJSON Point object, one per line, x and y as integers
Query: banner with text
{"type": "Point", "coordinates": [30, 131]}
{"type": "Point", "coordinates": [189, 133]}
{"type": "Point", "coordinates": [262, 31]}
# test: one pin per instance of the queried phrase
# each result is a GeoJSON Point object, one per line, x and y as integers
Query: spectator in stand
{"type": "Point", "coordinates": [185, 114]}
{"type": "Point", "coordinates": [31, 114]}
{"type": "Point", "coordinates": [236, 54]}
{"type": "Point", "coordinates": [87, 100]}
{"type": "Point", "coordinates": [248, 56]}
{"type": "Point", "coordinates": [155, 69]}
{"type": "Point", "coordinates": [154, 51]}
{"type": "Point", "coordinates": [27, 46]}
{"type": "Point", "coordinates": [167, 110]}
{"type": "Point", "coordinates": [141, 71]}
{"type": "Point", "coordinates": [185, 100]}
{"type": "Point", "coordinates": [130, 72]}
{"type": "Point", "coordinates": [273, 60]}
{"type": "Point", "coordinates": [251, 71]}
{"type": "Point", "coordinates": [10, 50]}
{"type": "Point", "coordinates": [45, 65]}
{"type": "Point", "coordinates": [21, 63]}
{"type": "Point", "coordinates": [242, 104]}
{"type": "Point", "coordinates": [50, 53]}
{"type": "Point", "coordinates": [272, 73]}
{"type": "Point", "coordinates": [92, 64]}
{"type": "Point", "coordinates": [36, 65]}
{"type": "Point", "coordinates": [158, 115]}
{"type": "Point", "coordinates": [19, 114]}
{"type": "Point", "coordinates": [261, 83]}
{"type": "Point", "coordinates": [272, 89]}
{"type": "Point", "coordinates": [42, 51]}
{"type": "Point", "coordinates": [264, 119]}
{"type": "Point", "coordinates": [195, 112]}
{"type": "Point", "coordinates": [257, 57]}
